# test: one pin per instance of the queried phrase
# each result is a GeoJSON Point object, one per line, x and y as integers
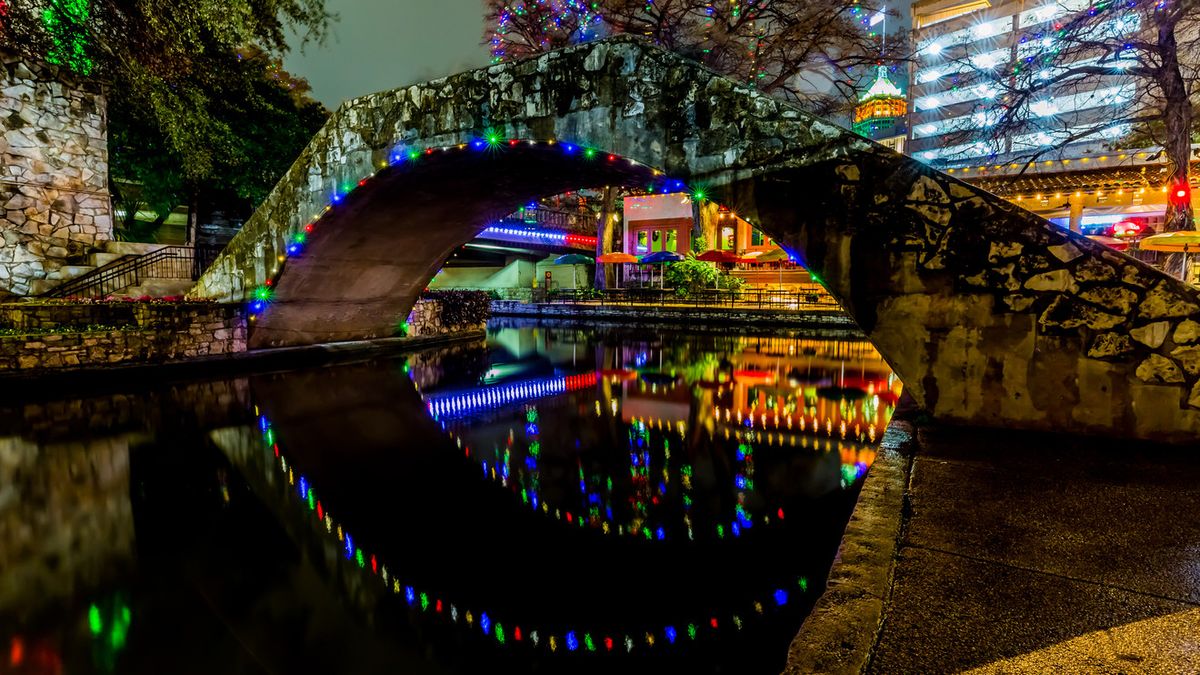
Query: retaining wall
{"type": "Point", "coordinates": [35, 336]}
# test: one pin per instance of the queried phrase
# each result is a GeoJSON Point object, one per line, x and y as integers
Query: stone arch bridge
{"type": "Point", "coordinates": [989, 314]}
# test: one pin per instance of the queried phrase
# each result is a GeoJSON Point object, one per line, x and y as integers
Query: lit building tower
{"type": "Point", "coordinates": [881, 113]}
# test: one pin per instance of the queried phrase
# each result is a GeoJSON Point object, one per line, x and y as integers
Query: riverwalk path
{"type": "Point", "coordinates": [1002, 552]}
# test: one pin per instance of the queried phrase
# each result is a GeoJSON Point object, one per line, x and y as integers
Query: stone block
{"type": "Point", "coordinates": [1188, 358]}
{"type": "Point", "coordinates": [1152, 334]}
{"type": "Point", "coordinates": [1157, 368]}
{"type": "Point", "coordinates": [1187, 332]}
{"type": "Point", "coordinates": [1110, 345]}
{"type": "Point", "coordinates": [1056, 280]}
{"type": "Point", "coordinates": [1165, 300]}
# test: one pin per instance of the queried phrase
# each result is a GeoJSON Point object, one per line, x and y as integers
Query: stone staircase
{"type": "Point", "coordinates": [112, 254]}
{"type": "Point", "coordinates": [157, 288]}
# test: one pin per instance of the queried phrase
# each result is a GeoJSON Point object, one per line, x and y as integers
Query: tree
{"type": "Point", "coordinates": [1116, 71]}
{"type": "Point", "coordinates": [155, 52]}
{"type": "Point", "coordinates": [263, 116]}
{"type": "Point", "coordinates": [520, 29]}
{"type": "Point", "coordinates": [806, 51]}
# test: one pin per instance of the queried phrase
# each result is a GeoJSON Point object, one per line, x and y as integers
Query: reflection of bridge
{"type": "Point", "coordinates": [450, 405]}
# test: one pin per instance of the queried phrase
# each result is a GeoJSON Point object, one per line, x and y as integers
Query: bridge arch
{"type": "Point", "coordinates": [989, 314]}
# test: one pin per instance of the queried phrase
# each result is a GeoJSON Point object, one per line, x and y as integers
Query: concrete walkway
{"type": "Point", "coordinates": [1016, 553]}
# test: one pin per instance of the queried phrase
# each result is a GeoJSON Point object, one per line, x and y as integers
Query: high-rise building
{"type": "Point", "coordinates": [881, 112]}
{"type": "Point", "coordinates": [967, 50]}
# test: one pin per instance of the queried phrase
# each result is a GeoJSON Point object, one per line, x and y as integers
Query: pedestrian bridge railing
{"type": "Point", "coordinates": [810, 297]}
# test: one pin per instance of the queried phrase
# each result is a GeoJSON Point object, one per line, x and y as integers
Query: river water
{"type": "Point", "coordinates": [555, 500]}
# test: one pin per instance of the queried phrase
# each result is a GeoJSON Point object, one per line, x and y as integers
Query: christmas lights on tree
{"type": "Point", "coordinates": [65, 23]}
{"type": "Point", "coordinates": [532, 26]}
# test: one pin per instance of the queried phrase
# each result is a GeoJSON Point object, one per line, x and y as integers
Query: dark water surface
{"type": "Point", "coordinates": [559, 500]}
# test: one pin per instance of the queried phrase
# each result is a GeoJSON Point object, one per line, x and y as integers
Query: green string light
{"type": "Point", "coordinates": [95, 623]}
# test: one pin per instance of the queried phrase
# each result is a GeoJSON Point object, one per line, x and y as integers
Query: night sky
{"type": "Point", "coordinates": [384, 44]}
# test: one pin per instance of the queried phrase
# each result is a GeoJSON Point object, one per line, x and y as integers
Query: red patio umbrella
{"type": "Point", "coordinates": [1111, 242]}
{"type": "Point", "coordinates": [727, 257]}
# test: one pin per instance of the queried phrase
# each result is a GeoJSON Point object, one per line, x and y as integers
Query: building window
{"type": "Point", "coordinates": [671, 243]}
{"type": "Point", "coordinates": [727, 240]}
{"type": "Point", "coordinates": [642, 242]}
{"type": "Point", "coordinates": [656, 240]}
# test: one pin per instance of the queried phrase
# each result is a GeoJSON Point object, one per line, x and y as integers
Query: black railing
{"type": "Point", "coordinates": [169, 262]}
{"type": "Point", "coordinates": [801, 299]}
{"type": "Point", "coordinates": [571, 221]}
{"type": "Point", "coordinates": [203, 256]}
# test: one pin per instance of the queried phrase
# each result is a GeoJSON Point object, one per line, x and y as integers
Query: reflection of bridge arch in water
{"type": "Point", "coordinates": [353, 560]}
{"type": "Point", "coordinates": [849, 428]}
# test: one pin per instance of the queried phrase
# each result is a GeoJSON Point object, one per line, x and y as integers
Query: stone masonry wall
{"type": "Point", "coordinates": [53, 335]}
{"type": "Point", "coordinates": [425, 320]}
{"type": "Point", "coordinates": [54, 199]}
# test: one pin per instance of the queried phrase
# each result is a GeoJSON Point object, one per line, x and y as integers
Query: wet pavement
{"type": "Point", "coordinates": [1024, 553]}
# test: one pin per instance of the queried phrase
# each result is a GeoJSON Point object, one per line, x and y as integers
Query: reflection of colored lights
{"type": "Point", "coordinates": [595, 513]}
{"type": "Point", "coordinates": [453, 405]}
{"type": "Point", "coordinates": [487, 624]}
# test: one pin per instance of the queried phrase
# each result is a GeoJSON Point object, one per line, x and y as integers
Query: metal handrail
{"type": "Point", "coordinates": [580, 223]}
{"type": "Point", "coordinates": [167, 262]}
{"type": "Point", "coordinates": [806, 297]}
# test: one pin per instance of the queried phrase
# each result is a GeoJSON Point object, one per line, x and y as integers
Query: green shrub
{"type": "Point", "coordinates": [728, 282]}
{"type": "Point", "coordinates": [690, 275]}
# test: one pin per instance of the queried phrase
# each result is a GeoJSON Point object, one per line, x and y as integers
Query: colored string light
{"type": "Point", "coordinates": [541, 236]}
{"type": "Point", "coordinates": [456, 405]}
{"type": "Point", "coordinates": [526, 484]}
{"type": "Point", "coordinates": [486, 624]}
{"type": "Point", "coordinates": [295, 245]}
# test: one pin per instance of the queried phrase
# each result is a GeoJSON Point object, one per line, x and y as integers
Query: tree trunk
{"type": "Point", "coordinates": [1177, 119]}
{"type": "Point", "coordinates": [604, 236]}
{"type": "Point", "coordinates": [189, 237]}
